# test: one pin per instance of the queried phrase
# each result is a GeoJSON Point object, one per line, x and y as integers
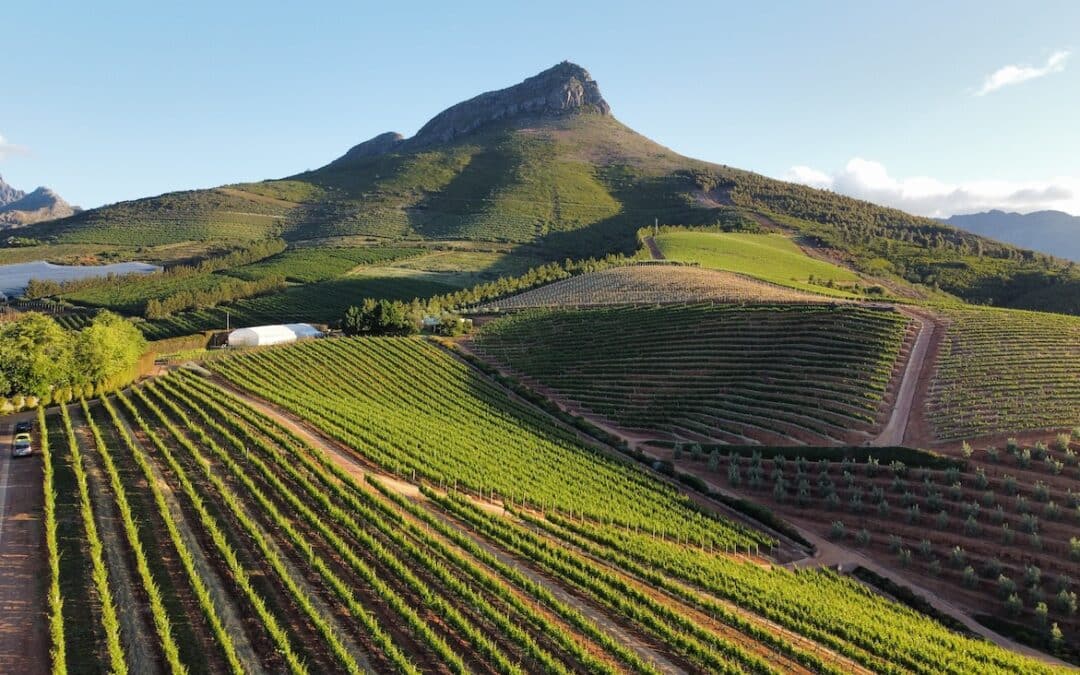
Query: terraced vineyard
{"type": "Point", "coordinates": [995, 531]}
{"type": "Point", "coordinates": [649, 284]}
{"type": "Point", "coordinates": [1004, 372]}
{"type": "Point", "coordinates": [783, 374]}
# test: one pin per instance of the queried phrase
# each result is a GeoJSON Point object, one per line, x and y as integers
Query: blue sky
{"type": "Point", "coordinates": [112, 100]}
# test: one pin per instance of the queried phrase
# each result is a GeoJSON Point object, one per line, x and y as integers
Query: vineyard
{"type": "Point", "coordinates": [648, 284]}
{"type": "Point", "coordinates": [488, 443]}
{"type": "Point", "coordinates": [995, 531]}
{"type": "Point", "coordinates": [775, 374]}
{"type": "Point", "coordinates": [1003, 372]}
{"type": "Point", "coordinates": [188, 531]}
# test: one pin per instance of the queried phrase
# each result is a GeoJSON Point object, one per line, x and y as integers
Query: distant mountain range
{"type": "Point", "coordinates": [18, 208]}
{"type": "Point", "coordinates": [544, 166]}
{"type": "Point", "coordinates": [1053, 232]}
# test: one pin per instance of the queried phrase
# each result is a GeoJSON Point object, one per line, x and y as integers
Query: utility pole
{"type": "Point", "coordinates": [226, 320]}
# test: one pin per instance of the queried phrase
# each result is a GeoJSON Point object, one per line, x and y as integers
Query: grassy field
{"type": "Point", "coordinates": [772, 257]}
{"type": "Point", "coordinates": [308, 265]}
{"type": "Point", "coordinates": [454, 268]}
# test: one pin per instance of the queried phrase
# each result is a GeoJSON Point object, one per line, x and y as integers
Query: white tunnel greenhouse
{"type": "Point", "coordinates": [261, 336]}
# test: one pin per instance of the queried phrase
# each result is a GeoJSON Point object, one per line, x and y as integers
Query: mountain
{"type": "Point", "coordinates": [545, 166]}
{"type": "Point", "coordinates": [9, 194]}
{"type": "Point", "coordinates": [18, 208]}
{"type": "Point", "coordinates": [1048, 231]}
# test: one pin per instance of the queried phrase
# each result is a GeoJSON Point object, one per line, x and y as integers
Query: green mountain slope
{"type": "Point", "coordinates": [544, 165]}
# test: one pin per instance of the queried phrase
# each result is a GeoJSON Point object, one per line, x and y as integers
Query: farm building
{"type": "Point", "coordinates": [261, 336]}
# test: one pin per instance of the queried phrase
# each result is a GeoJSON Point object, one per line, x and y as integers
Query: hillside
{"type": "Point", "coordinates": [546, 167]}
{"type": "Point", "coordinates": [1054, 232]}
{"type": "Point", "coordinates": [773, 374]}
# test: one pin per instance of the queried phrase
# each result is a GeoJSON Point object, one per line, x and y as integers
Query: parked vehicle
{"type": "Point", "coordinates": [24, 427]}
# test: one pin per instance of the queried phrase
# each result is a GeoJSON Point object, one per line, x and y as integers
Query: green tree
{"type": "Point", "coordinates": [35, 355]}
{"type": "Point", "coordinates": [106, 348]}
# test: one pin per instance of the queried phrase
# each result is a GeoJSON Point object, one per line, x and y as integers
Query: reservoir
{"type": "Point", "coordinates": [13, 278]}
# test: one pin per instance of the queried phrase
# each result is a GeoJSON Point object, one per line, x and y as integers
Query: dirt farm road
{"type": "Point", "coordinates": [23, 632]}
{"type": "Point", "coordinates": [896, 428]}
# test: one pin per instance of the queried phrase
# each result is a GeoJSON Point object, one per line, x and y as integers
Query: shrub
{"type": "Point", "coordinates": [1042, 491]}
{"type": "Point", "coordinates": [1032, 575]}
{"type": "Point", "coordinates": [1065, 602]}
{"type": "Point", "coordinates": [1006, 586]}
{"type": "Point", "coordinates": [942, 520]}
{"type": "Point", "coordinates": [895, 543]}
{"type": "Point", "coordinates": [969, 577]}
{"type": "Point", "coordinates": [1041, 614]}
{"type": "Point", "coordinates": [957, 557]}
{"type": "Point", "coordinates": [837, 530]}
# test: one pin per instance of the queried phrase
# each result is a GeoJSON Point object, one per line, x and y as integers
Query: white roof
{"type": "Point", "coordinates": [255, 336]}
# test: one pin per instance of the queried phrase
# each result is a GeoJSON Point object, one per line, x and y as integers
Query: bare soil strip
{"type": "Point", "coordinates": [654, 250]}
{"type": "Point", "coordinates": [896, 429]}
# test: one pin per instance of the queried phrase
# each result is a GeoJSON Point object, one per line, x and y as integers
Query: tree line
{"type": "Point", "coordinates": [227, 290]}
{"type": "Point", "coordinates": [38, 358]}
{"type": "Point", "coordinates": [44, 288]}
{"type": "Point", "coordinates": [391, 317]}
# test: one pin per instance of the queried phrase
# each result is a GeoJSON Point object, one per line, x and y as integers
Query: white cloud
{"type": "Point", "coordinates": [8, 149]}
{"type": "Point", "coordinates": [1014, 74]}
{"type": "Point", "coordinates": [923, 195]}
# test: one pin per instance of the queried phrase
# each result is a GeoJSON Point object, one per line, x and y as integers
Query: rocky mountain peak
{"type": "Point", "coordinates": [9, 194]}
{"type": "Point", "coordinates": [561, 89]}
{"type": "Point", "coordinates": [39, 205]}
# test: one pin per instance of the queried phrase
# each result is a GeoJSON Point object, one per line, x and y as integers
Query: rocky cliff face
{"type": "Point", "coordinates": [40, 205]}
{"type": "Point", "coordinates": [563, 89]}
{"type": "Point", "coordinates": [9, 194]}
{"type": "Point", "coordinates": [381, 144]}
